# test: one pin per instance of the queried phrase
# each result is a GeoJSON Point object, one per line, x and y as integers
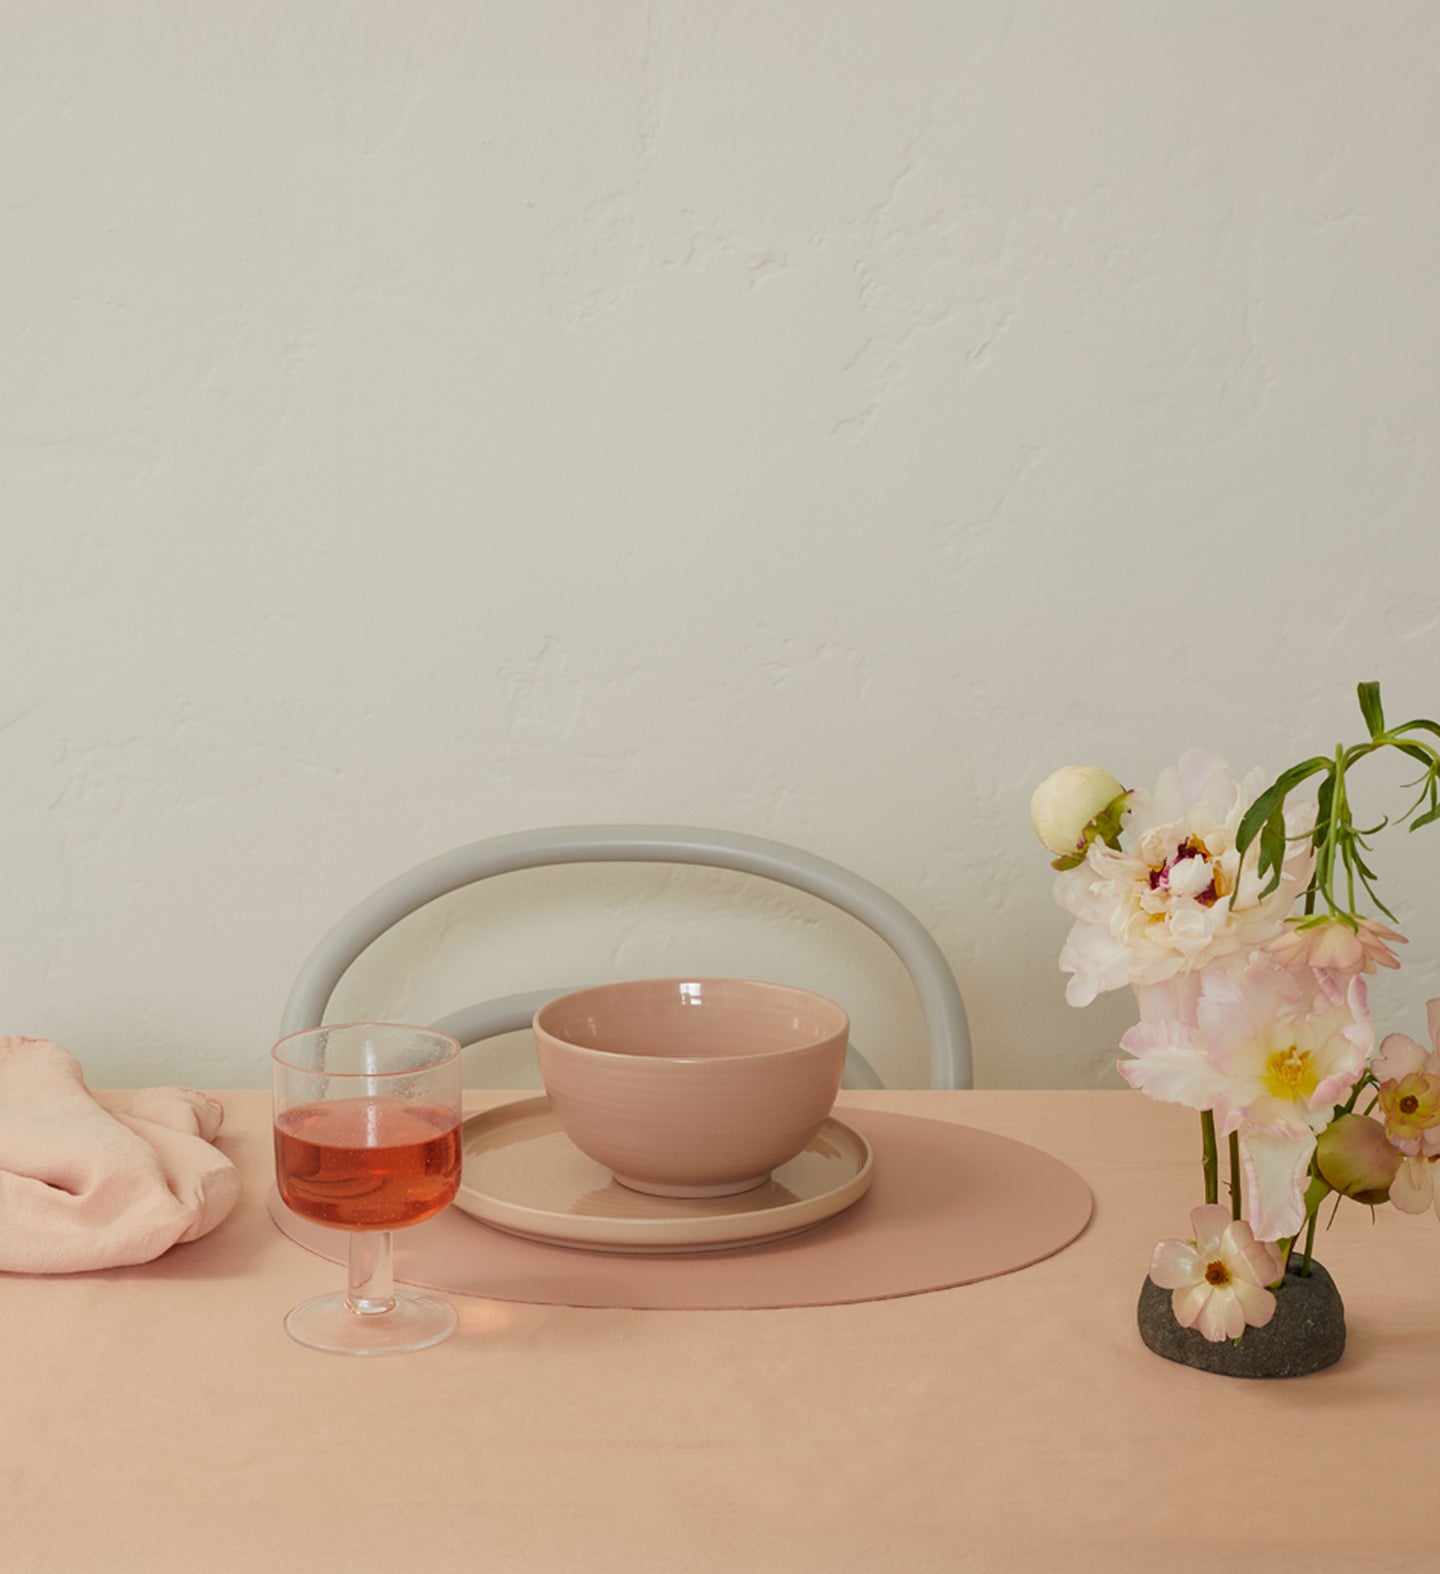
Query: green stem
{"type": "Point", "coordinates": [1349, 850]}
{"type": "Point", "coordinates": [1309, 1244]}
{"type": "Point", "coordinates": [1349, 1106]}
{"type": "Point", "coordinates": [1211, 1158]}
{"type": "Point", "coordinates": [1339, 815]}
{"type": "Point", "coordinates": [1234, 1174]}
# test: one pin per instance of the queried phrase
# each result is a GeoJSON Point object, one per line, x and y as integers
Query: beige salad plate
{"type": "Point", "coordinates": [522, 1174]}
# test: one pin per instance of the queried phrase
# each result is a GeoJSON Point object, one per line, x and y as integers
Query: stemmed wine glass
{"type": "Point", "coordinates": [367, 1139]}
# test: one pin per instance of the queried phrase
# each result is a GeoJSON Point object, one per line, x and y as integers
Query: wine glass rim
{"type": "Point", "coordinates": [332, 1027]}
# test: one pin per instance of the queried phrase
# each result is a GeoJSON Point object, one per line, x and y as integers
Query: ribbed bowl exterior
{"type": "Point", "coordinates": [691, 1085]}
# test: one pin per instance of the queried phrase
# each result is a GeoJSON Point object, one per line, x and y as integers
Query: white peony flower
{"type": "Point", "coordinates": [1161, 904]}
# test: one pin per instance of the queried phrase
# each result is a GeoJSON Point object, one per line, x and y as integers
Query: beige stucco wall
{"type": "Point", "coordinates": [424, 421]}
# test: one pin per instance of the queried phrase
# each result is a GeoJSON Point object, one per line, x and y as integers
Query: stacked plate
{"type": "Point", "coordinates": [523, 1175]}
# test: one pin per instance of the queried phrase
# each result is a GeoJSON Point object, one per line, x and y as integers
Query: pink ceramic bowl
{"type": "Point", "coordinates": [691, 1087]}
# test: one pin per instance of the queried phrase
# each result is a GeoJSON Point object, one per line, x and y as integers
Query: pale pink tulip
{"type": "Point", "coordinates": [1271, 1050]}
{"type": "Point", "coordinates": [1219, 1279]}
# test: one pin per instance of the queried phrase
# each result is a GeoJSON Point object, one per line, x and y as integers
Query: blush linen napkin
{"type": "Point", "coordinates": [86, 1183]}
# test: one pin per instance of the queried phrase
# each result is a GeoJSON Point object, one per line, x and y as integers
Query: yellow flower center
{"type": "Point", "coordinates": [1289, 1074]}
{"type": "Point", "coordinates": [1217, 1273]}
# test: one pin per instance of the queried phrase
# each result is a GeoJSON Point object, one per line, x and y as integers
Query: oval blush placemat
{"type": "Point", "coordinates": [950, 1205]}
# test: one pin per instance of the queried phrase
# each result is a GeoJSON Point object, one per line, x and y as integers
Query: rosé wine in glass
{"type": "Point", "coordinates": [367, 1139]}
{"type": "Point", "coordinates": [367, 1164]}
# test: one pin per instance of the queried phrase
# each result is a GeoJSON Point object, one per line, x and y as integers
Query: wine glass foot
{"type": "Point", "coordinates": [415, 1322]}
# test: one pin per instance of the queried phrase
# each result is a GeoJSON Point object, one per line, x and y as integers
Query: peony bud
{"type": "Point", "coordinates": [1354, 1156]}
{"type": "Point", "coordinates": [1063, 805]}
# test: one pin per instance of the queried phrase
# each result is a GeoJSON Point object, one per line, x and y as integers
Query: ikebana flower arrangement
{"type": "Point", "coordinates": [1235, 911]}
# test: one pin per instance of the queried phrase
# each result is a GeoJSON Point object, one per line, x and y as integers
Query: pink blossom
{"type": "Point", "coordinates": [1332, 944]}
{"type": "Point", "coordinates": [1219, 1279]}
{"type": "Point", "coordinates": [1409, 1080]}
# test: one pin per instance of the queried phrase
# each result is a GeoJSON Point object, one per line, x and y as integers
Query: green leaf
{"type": "Point", "coordinates": [1428, 818]}
{"type": "Point", "coordinates": [1422, 725]}
{"type": "Point", "coordinates": [1426, 785]}
{"type": "Point", "coordinates": [1272, 850]}
{"type": "Point", "coordinates": [1255, 817]}
{"type": "Point", "coordinates": [1370, 708]}
{"type": "Point", "coordinates": [1355, 859]}
{"type": "Point", "coordinates": [1418, 751]}
{"type": "Point", "coordinates": [1375, 897]}
{"type": "Point", "coordinates": [1324, 796]}
{"type": "Point", "coordinates": [1273, 799]}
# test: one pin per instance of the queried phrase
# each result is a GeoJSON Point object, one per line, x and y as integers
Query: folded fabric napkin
{"type": "Point", "coordinates": [91, 1184]}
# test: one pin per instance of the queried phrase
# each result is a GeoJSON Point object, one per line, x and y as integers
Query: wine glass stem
{"type": "Point", "coordinates": [372, 1282]}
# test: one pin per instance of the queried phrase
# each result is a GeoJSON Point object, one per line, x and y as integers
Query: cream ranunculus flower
{"type": "Point", "coordinates": [1220, 1278]}
{"type": "Point", "coordinates": [1161, 903]}
{"type": "Point", "coordinates": [1409, 1085]}
{"type": "Point", "coordinates": [1066, 802]}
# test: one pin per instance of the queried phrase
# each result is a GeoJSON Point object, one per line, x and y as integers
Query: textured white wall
{"type": "Point", "coordinates": [817, 420]}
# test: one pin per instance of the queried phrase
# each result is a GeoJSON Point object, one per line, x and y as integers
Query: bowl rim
{"type": "Point", "coordinates": [841, 1030]}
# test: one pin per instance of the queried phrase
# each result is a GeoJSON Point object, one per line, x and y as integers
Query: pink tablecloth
{"type": "Point", "coordinates": [157, 1419]}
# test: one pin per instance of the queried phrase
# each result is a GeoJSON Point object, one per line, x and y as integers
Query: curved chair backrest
{"type": "Point", "coordinates": [944, 1010]}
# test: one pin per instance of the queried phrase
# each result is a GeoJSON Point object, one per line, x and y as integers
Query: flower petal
{"type": "Point", "coordinates": [1175, 998]}
{"type": "Point", "coordinates": [1275, 1181]}
{"type": "Point", "coordinates": [1207, 782]}
{"type": "Point", "coordinates": [1398, 1056]}
{"type": "Point", "coordinates": [1098, 961]}
{"type": "Point", "coordinates": [1260, 1263]}
{"type": "Point", "coordinates": [1209, 1222]}
{"type": "Point", "coordinates": [1189, 1304]}
{"type": "Point", "coordinates": [1413, 1188]}
{"type": "Point", "coordinates": [1221, 1317]}
{"type": "Point", "coordinates": [1257, 1304]}
{"type": "Point", "coordinates": [1170, 1066]}
{"type": "Point", "coordinates": [1176, 1264]}
{"type": "Point", "coordinates": [1247, 1258]}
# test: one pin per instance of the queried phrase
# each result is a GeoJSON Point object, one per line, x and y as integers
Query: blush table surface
{"type": "Point", "coordinates": [156, 1418]}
